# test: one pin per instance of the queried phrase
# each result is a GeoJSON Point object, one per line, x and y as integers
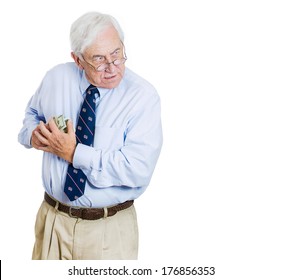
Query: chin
{"type": "Point", "coordinates": [111, 84]}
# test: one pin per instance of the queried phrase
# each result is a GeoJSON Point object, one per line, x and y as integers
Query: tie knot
{"type": "Point", "coordinates": [93, 91]}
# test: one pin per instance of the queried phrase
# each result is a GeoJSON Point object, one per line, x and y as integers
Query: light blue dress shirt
{"type": "Point", "coordinates": [128, 136]}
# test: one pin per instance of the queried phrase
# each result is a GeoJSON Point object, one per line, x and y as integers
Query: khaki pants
{"type": "Point", "coordinates": [61, 237]}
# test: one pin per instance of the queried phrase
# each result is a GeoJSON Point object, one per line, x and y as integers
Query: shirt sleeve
{"type": "Point", "coordinates": [32, 118]}
{"type": "Point", "coordinates": [133, 164]}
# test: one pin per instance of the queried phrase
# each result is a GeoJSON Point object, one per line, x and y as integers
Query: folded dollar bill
{"type": "Point", "coordinates": [61, 123]}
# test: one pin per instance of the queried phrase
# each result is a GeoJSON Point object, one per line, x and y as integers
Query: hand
{"type": "Point", "coordinates": [48, 138]}
{"type": "Point", "coordinates": [35, 139]}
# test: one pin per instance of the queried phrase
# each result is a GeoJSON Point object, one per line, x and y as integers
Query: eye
{"type": "Point", "coordinates": [116, 53]}
{"type": "Point", "coordinates": [99, 59]}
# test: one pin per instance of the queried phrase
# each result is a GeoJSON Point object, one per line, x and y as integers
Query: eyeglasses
{"type": "Point", "coordinates": [104, 66]}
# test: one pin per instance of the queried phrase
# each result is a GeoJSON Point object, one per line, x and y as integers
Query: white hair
{"type": "Point", "coordinates": [85, 29]}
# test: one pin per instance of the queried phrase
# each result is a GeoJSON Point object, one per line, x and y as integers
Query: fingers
{"type": "Point", "coordinates": [41, 138]}
{"type": "Point", "coordinates": [70, 127]}
{"type": "Point", "coordinates": [40, 134]}
{"type": "Point", "coordinates": [52, 126]}
{"type": "Point", "coordinates": [35, 139]}
{"type": "Point", "coordinates": [35, 142]}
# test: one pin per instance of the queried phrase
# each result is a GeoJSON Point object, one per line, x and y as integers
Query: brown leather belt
{"type": "Point", "coordinates": [87, 213]}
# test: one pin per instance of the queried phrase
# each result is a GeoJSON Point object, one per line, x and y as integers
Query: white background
{"type": "Point", "coordinates": [215, 198]}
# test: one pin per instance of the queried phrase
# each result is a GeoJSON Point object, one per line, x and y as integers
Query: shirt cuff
{"type": "Point", "coordinates": [86, 157]}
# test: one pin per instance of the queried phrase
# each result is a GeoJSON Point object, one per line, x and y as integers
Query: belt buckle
{"type": "Point", "coordinates": [75, 208]}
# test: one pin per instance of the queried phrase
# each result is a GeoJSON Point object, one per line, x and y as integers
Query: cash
{"type": "Point", "coordinates": [61, 123]}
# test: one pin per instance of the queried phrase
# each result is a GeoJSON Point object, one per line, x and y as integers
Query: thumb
{"type": "Point", "coordinates": [70, 127]}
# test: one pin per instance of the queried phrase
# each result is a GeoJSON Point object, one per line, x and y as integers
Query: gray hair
{"type": "Point", "coordinates": [86, 28]}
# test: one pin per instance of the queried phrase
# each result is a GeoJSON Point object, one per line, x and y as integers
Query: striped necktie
{"type": "Point", "coordinates": [85, 131]}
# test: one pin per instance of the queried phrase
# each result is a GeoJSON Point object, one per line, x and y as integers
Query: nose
{"type": "Point", "coordinates": [110, 67]}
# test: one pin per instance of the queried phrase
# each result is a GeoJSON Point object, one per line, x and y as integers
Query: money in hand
{"type": "Point", "coordinates": [61, 123]}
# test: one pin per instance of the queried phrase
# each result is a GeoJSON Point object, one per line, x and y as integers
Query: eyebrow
{"type": "Point", "coordinates": [99, 55]}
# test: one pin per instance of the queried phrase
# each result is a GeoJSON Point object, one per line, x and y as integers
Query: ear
{"type": "Point", "coordinates": [77, 60]}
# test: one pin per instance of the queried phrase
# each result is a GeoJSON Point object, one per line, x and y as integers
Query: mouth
{"type": "Point", "coordinates": [110, 77]}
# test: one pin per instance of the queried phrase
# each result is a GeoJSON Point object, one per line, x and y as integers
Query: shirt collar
{"type": "Point", "coordinates": [84, 84]}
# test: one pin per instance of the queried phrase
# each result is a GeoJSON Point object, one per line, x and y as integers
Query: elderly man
{"type": "Point", "coordinates": [99, 126]}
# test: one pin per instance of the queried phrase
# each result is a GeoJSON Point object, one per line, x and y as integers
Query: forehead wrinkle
{"type": "Point", "coordinates": [104, 55]}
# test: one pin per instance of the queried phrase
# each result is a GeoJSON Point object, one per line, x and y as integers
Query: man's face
{"type": "Point", "coordinates": [106, 48]}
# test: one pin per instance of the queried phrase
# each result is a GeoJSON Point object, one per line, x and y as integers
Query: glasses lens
{"type": "Point", "coordinates": [116, 62]}
{"type": "Point", "coordinates": [102, 67]}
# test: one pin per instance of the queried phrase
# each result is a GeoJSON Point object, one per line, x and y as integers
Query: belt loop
{"type": "Point", "coordinates": [57, 205]}
{"type": "Point", "coordinates": [105, 212]}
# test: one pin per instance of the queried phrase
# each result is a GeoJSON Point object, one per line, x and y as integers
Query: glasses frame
{"type": "Point", "coordinates": [106, 65]}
